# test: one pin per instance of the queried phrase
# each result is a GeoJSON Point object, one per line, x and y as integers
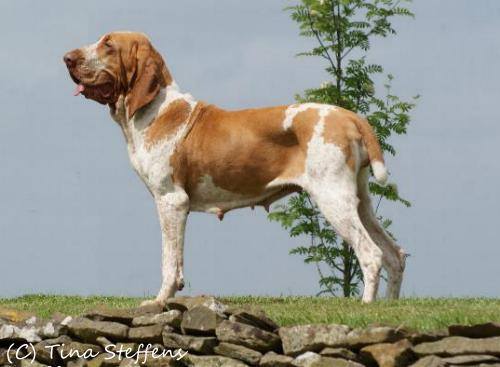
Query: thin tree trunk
{"type": "Point", "coordinates": [347, 276]}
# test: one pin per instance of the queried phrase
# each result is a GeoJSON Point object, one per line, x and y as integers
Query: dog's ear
{"type": "Point", "coordinates": [146, 78]}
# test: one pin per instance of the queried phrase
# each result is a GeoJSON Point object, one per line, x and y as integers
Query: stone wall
{"type": "Point", "coordinates": [200, 331]}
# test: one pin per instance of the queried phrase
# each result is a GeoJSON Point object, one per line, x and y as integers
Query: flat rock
{"type": "Point", "coordinates": [52, 329]}
{"type": "Point", "coordinates": [457, 345]}
{"type": "Point", "coordinates": [240, 352]}
{"type": "Point", "coordinates": [163, 361]}
{"type": "Point", "coordinates": [89, 330]}
{"type": "Point", "coordinates": [311, 359]}
{"type": "Point", "coordinates": [359, 338]}
{"type": "Point", "coordinates": [198, 344]}
{"type": "Point", "coordinates": [183, 303]}
{"type": "Point", "coordinates": [46, 350]}
{"type": "Point", "coordinates": [272, 359]}
{"type": "Point", "coordinates": [104, 360]}
{"type": "Point", "coordinates": [13, 333]}
{"type": "Point", "coordinates": [123, 348]}
{"type": "Point", "coordinates": [248, 336]}
{"type": "Point", "coordinates": [430, 336]}
{"type": "Point", "coordinates": [5, 355]}
{"type": "Point", "coordinates": [155, 359]}
{"type": "Point", "coordinates": [172, 318]}
{"type": "Point", "coordinates": [486, 330]}
{"type": "Point", "coordinates": [302, 338]}
{"type": "Point", "coordinates": [200, 320]}
{"type": "Point", "coordinates": [471, 359]}
{"type": "Point", "coordinates": [103, 341]}
{"type": "Point", "coordinates": [75, 350]}
{"type": "Point", "coordinates": [211, 361]}
{"type": "Point", "coordinates": [8, 333]}
{"type": "Point", "coordinates": [147, 334]}
{"type": "Point", "coordinates": [398, 354]}
{"type": "Point", "coordinates": [339, 353]}
{"type": "Point", "coordinates": [28, 363]}
{"type": "Point", "coordinates": [129, 362]}
{"type": "Point", "coordinates": [255, 318]}
{"type": "Point", "coordinates": [77, 363]}
{"type": "Point", "coordinates": [429, 361]}
{"type": "Point", "coordinates": [124, 316]}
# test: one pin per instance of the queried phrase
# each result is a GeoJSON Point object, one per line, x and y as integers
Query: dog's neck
{"type": "Point", "coordinates": [147, 114]}
{"type": "Point", "coordinates": [165, 96]}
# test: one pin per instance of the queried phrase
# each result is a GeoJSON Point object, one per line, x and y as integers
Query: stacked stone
{"type": "Point", "coordinates": [216, 335]}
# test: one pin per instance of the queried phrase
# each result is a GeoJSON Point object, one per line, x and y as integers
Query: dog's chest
{"type": "Point", "coordinates": [152, 162]}
{"type": "Point", "coordinates": [151, 158]}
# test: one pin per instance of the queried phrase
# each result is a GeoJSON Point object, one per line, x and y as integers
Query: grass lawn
{"type": "Point", "coordinates": [414, 313]}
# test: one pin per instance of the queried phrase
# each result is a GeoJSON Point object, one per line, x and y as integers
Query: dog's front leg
{"type": "Point", "coordinates": [173, 209]}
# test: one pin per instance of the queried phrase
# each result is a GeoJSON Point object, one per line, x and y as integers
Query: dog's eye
{"type": "Point", "coordinates": [107, 44]}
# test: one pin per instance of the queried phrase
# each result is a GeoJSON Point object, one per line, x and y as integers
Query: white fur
{"type": "Point", "coordinates": [172, 209]}
{"type": "Point", "coordinates": [153, 163]}
{"type": "Point", "coordinates": [172, 93]}
{"type": "Point", "coordinates": [295, 109]}
{"type": "Point", "coordinates": [379, 172]}
{"type": "Point", "coordinates": [92, 60]}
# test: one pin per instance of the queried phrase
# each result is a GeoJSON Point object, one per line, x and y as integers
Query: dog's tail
{"type": "Point", "coordinates": [374, 151]}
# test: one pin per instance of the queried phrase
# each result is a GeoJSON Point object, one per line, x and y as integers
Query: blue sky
{"type": "Point", "coordinates": [77, 220]}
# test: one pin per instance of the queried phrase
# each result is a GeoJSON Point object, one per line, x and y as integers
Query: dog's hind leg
{"type": "Point", "coordinates": [332, 185]}
{"type": "Point", "coordinates": [340, 209]}
{"type": "Point", "coordinates": [394, 256]}
{"type": "Point", "coordinates": [330, 177]}
{"type": "Point", "coordinates": [173, 208]}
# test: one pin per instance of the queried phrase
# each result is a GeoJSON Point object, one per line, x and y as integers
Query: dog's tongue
{"type": "Point", "coordinates": [79, 89]}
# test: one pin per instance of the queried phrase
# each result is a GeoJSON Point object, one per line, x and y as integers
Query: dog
{"type": "Point", "coordinates": [194, 156]}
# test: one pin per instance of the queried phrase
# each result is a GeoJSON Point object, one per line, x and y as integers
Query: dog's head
{"type": "Point", "coordinates": [119, 64]}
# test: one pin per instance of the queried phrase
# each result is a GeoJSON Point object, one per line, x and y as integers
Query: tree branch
{"type": "Point", "coordinates": [318, 37]}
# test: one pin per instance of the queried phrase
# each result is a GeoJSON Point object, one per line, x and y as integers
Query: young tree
{"type": "Point", "coordinates": [343, 30]}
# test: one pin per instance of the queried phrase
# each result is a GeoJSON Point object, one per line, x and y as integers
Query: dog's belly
{"type": "Point", "coordinates": [209, 198]}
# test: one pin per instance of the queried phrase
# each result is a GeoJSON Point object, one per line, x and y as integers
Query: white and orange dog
{"type": "Point", "coordinates": [198, 157]}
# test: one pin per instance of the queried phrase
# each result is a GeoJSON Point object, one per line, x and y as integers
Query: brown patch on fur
{"type": "Point", "coordinates": [346, 130]}
{"type": "Point", "coordinates": [242, 151]}
{"type": "Point", "coordinates": [370, 139]}
{"type": "Point", "coordinates": [340, 130]}
{"type": "Point", "coordinates": [303, 127]}
{"type": "Point", "coordinates": [168, 122]}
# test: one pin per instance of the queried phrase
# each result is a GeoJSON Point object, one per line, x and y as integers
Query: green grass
{"type": "Point", "coordinates": [414, 313]}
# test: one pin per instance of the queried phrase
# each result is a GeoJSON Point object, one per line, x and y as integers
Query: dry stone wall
{"type": "Point", "coordinates": [200, 331]}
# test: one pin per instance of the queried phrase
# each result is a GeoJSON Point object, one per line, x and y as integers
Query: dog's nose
{"type": "Point", "coordinates": [70, 59]}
